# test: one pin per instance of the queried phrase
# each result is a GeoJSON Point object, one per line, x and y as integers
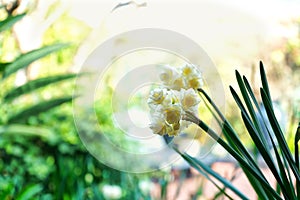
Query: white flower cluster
{"type": "Point", "coordinates": [170, 104]}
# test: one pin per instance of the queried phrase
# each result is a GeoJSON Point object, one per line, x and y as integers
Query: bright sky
{"type": "Point", "coordinates": [95, 10]}
{"type": "Point", "coordinates": [236, 28]}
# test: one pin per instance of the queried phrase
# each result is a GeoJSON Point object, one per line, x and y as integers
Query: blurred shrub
{"type": "Point", "coordinates": [41, 154]}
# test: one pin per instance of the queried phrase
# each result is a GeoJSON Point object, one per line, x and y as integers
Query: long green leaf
{"type": "Point", "coordinates": [287, 178]}
{"type": "Point", "coordinates": [254, 130]}
{"type": "Point", "coordinates": [250, 108]}
{"type": "Point", "coordinates": [37, 109]}
{"type": "Point", "coordinates": [212, 103]}
{"type": "Point", "coordinates": [278, 133]}
{"type": "Point", "coordinates": [231, 135]}
{"type": "Point", "coordinates": [29, 192]}
{"type": "Point", "coordinates": [297, 138]}
{"type": "Point", "coordinates": [21, 130]}
{"type": "Point", "coordinates": [287, 182]}
{"type": "Point", "coordinates": [26, 59]}
{"type": "Point", "coordinates": [10, 21]}
{"type": "Point", "coordinates": [264, 153]}
{"type": "Point", "coordinates": [264, 80]}
{"type": "Point", "coordinates": [36, 84]}
{"type": "Point", "coordinates": [241, 161]}
{"type": "Point", "coordinates": [235, 143]}
{"type": "Point", "coordinates": [238, 100]}
{"type": "Point", "coordinates": [279, 161]}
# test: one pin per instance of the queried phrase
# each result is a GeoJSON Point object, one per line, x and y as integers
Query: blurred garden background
{"type": "Point", "coordinates": [43, 45]}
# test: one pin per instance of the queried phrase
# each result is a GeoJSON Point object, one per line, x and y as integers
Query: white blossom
{"type": "Point", "coordinates": [189, 99]}
{"type": "Point", "coordinates": [158, 124]}
{"type": "Point", "coordinates": [172, 78]}
{"type": "Point", "coordinates": [168, 74]}
{"type": "Point", "coordinates": [192, 76]}
{"type": "Point", "coordinates": [157, 96]}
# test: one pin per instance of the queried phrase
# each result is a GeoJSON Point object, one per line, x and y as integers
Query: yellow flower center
{"type": "Point", "coordinates": [186, 71]}
{"type": "Point", "coordinates": [173, 115]}
{"type": "Point", "coordinates": [194, 83]}
{"type": "Point", "coordinates": [189, 101]}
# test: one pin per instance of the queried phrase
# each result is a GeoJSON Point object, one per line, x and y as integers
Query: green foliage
{"type": "Point", "coordinates": [18, 134]}
{"type": "Point", "coordinates": [41, 154]}
{"type": "Point", "coordinates": [284, 167]}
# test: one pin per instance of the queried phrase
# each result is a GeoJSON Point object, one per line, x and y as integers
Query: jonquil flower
{"type": "Point", "coordinates": [186, 77]}
{"type": "Point", "coordinates": [157, 96]}
{"type": "Point", "coordinates": [161, 96]}
{"type": "Point", "coordinates": [172, 78]}
{"type": "Point", "coordinates": [192, 76]}
{"type": "Point", "coordinates": [168, 75]}
{"type": "Point", "coordinates": [168, 109]}
{"type": "Point", "coordinates": [158, 124]}
{"type": "Point", "coordinates": [189, 100]}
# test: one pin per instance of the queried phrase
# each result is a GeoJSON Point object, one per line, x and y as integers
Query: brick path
{"type": "Point", "coordinates": [190, 186]}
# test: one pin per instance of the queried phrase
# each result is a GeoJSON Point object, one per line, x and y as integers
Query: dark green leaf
{"type": "Point", "coordinates": [297, 138]}
{"type": "Point", "coordinates": [264, 152]}
{"type": "Point", "coordinates": [278, 133]}
{"type": "Point", "coordinates": [229, 132]}
{"type": "Point", "coordinates": [3, 66]}
{"type": "Point", "coordinates": [250, 108]}
{"type": "Point", "coordinates": [286, 177]}
{"type": "Point", "coordinates": [240, 159]}
{"type": "Point", "coordinates": [212, 103]}
{"type": "Point", "coordinates": [238, 100]}
{"type": "Point", "coordinates": [10, 21]}
{"type": "Point", "coordinates": [264, 80]}
{"type": "Point", "coordinates": [279, 162]}
{"type": "Point", "coordinates": [37, 109]}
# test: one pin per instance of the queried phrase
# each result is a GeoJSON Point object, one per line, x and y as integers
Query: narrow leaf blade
{"type": "Point", "coordinates": [36, 84]}
{"type": "Point", "coordinates": [264, 80]}
{"type": "Point", "coordinates": [10, 21]}
{"type": "Point", "coordinates": [26, 59]}
{"type": "Point", "coordinates": [38, 108]}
